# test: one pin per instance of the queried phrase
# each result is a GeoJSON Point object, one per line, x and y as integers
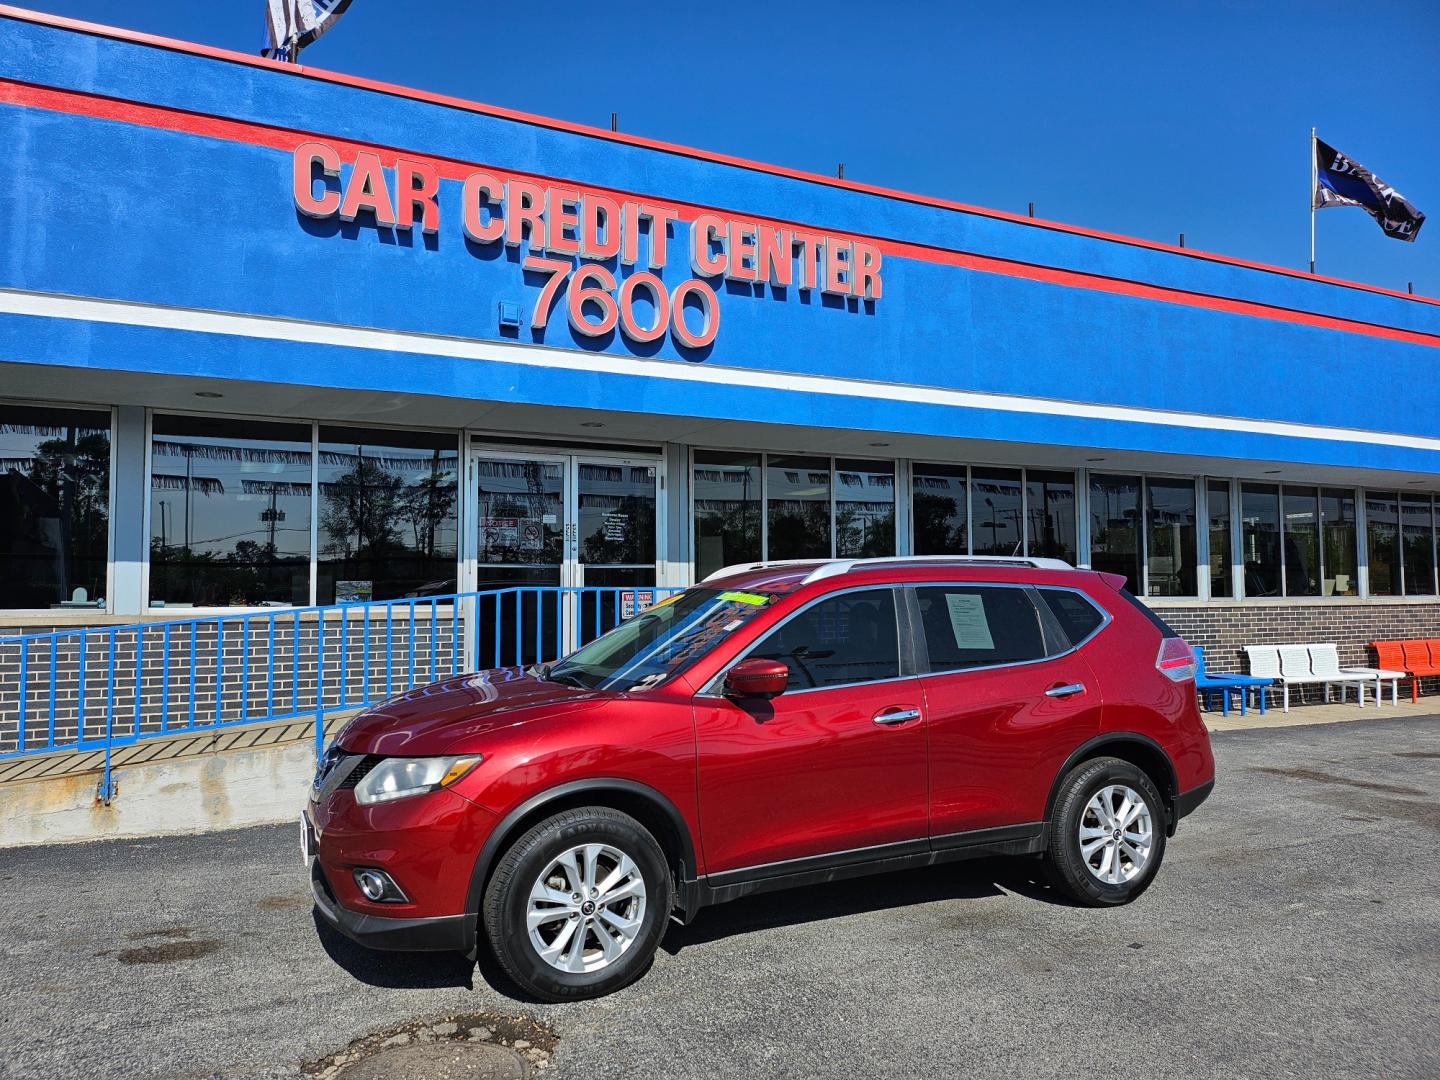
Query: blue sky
{"type": "Point", "coordinates": [1148, 119]}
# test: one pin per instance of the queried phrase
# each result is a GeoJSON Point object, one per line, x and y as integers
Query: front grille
{"type": "Point", "coordinates": [359, 772]}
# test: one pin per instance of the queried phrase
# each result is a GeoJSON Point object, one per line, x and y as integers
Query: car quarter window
{"type": "Point", "coordinates": [969, 626]}
{"type": "Point", "coordinates": [849, 638]}
{"type": "Point", "coordinates": [1077, 616]}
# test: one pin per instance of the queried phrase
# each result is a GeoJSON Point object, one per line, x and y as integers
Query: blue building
{"type": "Point", "coordinates": [271, 336]}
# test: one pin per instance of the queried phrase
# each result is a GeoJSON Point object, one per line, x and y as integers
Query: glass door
{"type": "Point", "coordinates": [615, 557]}
{"type": "Point", "coordinates": [520, 545]}
{"type": "Point", "coordinates": [572, 542]}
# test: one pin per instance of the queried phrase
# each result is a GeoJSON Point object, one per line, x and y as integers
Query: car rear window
{"type": "Point", "coordinates": [1077, 616]}
{"type": "Point", "coordinates": [969, 626]}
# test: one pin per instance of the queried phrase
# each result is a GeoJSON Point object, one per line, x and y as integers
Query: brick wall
{"type": "Point", "coordinates": [1225, 629]}
{"type": "Point", "coordinates": [158, 678]}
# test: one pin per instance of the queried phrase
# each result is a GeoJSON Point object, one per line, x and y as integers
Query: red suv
{"type": "Point", "coordinates": [776, 725]}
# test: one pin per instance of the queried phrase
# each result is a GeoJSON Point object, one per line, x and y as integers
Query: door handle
{"type": "Point", "coordinates": [896, 716]}
{"type": "Point", "coordinates": [1066, 690]}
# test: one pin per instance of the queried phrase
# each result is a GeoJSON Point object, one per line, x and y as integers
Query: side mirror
{"type": "Point", "coordinates": [756, 678]}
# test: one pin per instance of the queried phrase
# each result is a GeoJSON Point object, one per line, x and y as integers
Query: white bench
{"type": "Point", "coordinates": [1325, 661]}
{"type": "Point", "coordinates": [1301, 665]}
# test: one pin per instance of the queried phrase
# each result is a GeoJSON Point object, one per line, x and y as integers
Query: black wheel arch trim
{"type": "Point", "coordinates": [492, 849]}
{"type": "Point", "coordinates": [1168, 787]}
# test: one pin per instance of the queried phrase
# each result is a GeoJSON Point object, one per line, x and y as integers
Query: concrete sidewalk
{"type": "Point", "coordinates": [1310, 715]}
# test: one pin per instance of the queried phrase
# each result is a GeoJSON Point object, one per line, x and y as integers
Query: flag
{"type": "Point", "coordinates": [1340, 181]}
{"type": "Point", "coordinates": [293, 24]}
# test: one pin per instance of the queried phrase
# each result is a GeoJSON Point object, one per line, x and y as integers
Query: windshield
{"type": "Point", "coordinates": [658, 642]}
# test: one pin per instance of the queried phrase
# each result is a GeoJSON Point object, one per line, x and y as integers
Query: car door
{"type": "Point", "coordinates": [1007, 700]}
{"type": "Point", "coordinates": [836, 762]}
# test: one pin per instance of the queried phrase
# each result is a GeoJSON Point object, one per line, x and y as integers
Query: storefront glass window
{"type": "Point", "coordinates": [1218, 497]}
{"type": "Point", "coordinates": [799, 507]}
{"type": "Point", "coordinates": [388, 514]}
{"type": "Point", "coordinates": [939, 519]}
{"type": "Point", "coordinates": [726, 497]}
{"type": "Point", "coordinates": [229, 513]}
{"type": "Point", "coordinates": [1170, 537]}
{"type": "Point", "coordinates": [1337, 533]}
{"type": "Point", "coordinates": [1115, 527]}
{"type": "Point", "coordinates": [1302, 542]}
{"type": "Point", "coordinates": [54, 507]}
{"type": "Point", "coordinates": [864, 508]}
{"type": "Point", "coordinates": [1382, 524]}
{"type": "Point", "coordinates": [1050, 510]}
{"type": "Point", "coordinates": [1417, 531]}
{"type": "Point", "coordinates": [1260, 538]}
{"type": "Point", "coordinates": [996, 500]}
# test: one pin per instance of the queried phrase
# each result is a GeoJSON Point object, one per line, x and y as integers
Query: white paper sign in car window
{"type": "Point", "coordinates": [967, 621]}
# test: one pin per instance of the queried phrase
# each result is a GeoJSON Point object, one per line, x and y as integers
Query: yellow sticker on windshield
{"type": "Point", "coordinates": [745, 598]}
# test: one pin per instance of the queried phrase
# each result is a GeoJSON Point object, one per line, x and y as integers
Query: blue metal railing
{"type": "Point", "coordinates": [98, 688]}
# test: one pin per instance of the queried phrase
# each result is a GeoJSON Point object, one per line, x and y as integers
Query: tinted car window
{"type": "Point", "coordinates": [978, 625]}
{"type": "Point", "coordinates": [1076, 615]}
{"type": "Point", "coordinates": [849, 638]}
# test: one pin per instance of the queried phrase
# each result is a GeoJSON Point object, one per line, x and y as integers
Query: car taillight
{"type": "Point", "coordinates": [1176, 660]}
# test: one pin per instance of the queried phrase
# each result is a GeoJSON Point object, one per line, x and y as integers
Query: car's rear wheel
{"type": "Point", "coordinates": [577, 905]}
{"type": "Point", "coordinates": [1107, 833]}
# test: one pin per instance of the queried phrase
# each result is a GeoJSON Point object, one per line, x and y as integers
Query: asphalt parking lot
{"type": "Point", "coordinates": [1293, 931]}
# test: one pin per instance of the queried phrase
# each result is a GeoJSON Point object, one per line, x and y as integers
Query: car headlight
{"type": "Point", "coordinates": [398, 778]}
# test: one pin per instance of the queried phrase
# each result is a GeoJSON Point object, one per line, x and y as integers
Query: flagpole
{"type": "Point", "coordinates": [1312, 200]}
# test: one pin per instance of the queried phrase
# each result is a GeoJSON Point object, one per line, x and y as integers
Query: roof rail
{"type": "Point", "coordinates": [828, 568]}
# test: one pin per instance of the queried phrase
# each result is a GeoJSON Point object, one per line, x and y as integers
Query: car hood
{"type": "Point", "coordinates": [433, 719]}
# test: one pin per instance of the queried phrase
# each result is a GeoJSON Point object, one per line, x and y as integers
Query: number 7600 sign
{"type": "Point", "coordinates": [593, 292]}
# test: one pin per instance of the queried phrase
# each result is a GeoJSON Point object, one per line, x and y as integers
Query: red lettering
{"type": "Point", "coordinates": [416, 184]}
{"type": "Point", "coordinates": [480, 190]}
{"type": "Point", "coordinates": [866, 272]}
{"type": "Point", "coordinates": [808, 245]}
{"type": "Point", "coordinates": [775, 258]}
{"type": "Point", "coordinates": [660, 219]}
{"type": "Point", "coordinates": [524, 208]}
{"type": "Point", "coordinates": [598, 211]}
{"type": "Point", "coordinates": [307, 157]}
{"type": "Point", "coordinates": [741, 244]}
{"type": "Point", "coordinates": [838, 259]}
{"type": "Point", "coordinates": [367, 190]}
{"type": "Point", "coordinates": [706, 228]}
{"type": "Point", "coordinates": [562, 219]}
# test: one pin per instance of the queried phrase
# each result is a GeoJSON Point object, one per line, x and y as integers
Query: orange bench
{"type": "Point", "coordinates": [1416, 657]}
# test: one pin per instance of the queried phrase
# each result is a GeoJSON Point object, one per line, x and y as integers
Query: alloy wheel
{"type": "Point", "coordinates": [586, 908]}
{"type": "Point", "coordinates": [1116, 834]}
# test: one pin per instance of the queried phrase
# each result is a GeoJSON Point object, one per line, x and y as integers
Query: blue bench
{"type": "Point", "coordinates": [1223, 685]}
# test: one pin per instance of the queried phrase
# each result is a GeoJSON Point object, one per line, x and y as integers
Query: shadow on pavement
{"type": "Point", "coordinates": [395, 970]}
{"type": "Point", "coordinates": [953, 881]}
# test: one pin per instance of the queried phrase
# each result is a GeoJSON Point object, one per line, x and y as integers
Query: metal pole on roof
{"type": "Point", "coordinates": [1312, 200]}
{"type": "Point", "coordinates": [1032, 209]}
{"type": "Point", "coordinates": [840, 171]}
{"type": "Point", "coordinates": [614, 121]}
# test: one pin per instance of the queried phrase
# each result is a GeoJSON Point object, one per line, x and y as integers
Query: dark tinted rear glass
{"type": "Point", "coordinates": [1077, 616]}
{"type": "Point", "coordinates": [978, 625]}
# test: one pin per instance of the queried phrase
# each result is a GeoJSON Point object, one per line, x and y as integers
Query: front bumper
{"type": "Point", "coordinates": [436, 933]}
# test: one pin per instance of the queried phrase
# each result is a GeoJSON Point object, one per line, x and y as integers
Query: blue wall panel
{"type": "Point", "coordinates": [104, 208]}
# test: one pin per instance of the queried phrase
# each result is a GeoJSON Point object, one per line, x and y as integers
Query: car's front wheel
{"type": "Point", "coordinates": [1107, 833]}
{"type": "Point", "coordinates": [577, 905]}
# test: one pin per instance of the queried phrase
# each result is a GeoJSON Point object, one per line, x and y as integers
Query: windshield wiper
{"type": "Point", "coordinates": [566, 679]}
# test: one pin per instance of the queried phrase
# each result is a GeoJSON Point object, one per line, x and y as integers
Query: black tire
{"type": "Point", "coordinates": [507, 899]}
{"type": "Point", "coordinates": [1067, 867]}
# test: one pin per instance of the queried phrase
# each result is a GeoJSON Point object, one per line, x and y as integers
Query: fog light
{"type": "Point", "coordinates": [379, 887]}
